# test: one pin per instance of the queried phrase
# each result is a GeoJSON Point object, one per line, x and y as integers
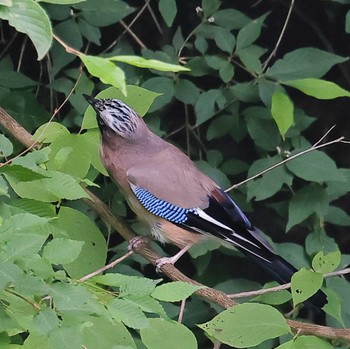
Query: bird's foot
{"type": "Point", "coordinates": [165, 260]}
{"type": "Point", "coordinates": [137, 241]}
{"type": "Point", "coordinates": [171, 260]}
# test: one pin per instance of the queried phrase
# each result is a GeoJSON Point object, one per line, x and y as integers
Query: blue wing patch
{"type": "Point", "coordinates": [161, 208]}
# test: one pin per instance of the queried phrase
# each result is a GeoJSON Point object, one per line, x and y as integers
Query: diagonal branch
{"type": "Point", "coordinates": [169, 270]}
{"type": "Point", "coordinates": [290, 158]}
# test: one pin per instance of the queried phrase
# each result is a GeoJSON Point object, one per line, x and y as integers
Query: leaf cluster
{"type": "Point", "coordinates": [209, 85]}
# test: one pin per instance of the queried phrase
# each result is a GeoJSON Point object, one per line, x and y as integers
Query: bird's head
{"type": "Point", "coordinates": [114, 115]}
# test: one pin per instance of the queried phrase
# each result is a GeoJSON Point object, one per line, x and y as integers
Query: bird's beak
{"type": "Point", "coordinates": [92, 101]}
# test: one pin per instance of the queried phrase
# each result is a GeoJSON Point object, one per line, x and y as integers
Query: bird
{"type": "Point", "coordinates": [179, 203]}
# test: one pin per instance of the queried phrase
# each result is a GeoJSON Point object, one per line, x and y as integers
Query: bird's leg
{"type": "Point", "coordinates": [172, 260]}
{"type": "Point", "coordinates": [137, 241]}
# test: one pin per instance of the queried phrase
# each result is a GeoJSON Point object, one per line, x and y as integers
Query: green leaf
{"type": "Point", "coordinates": [105, 70]}
{"type": "Point", "coordinates": [249, 33]}
{"type": "Point", "coordinates": [62, 2]}
{"type": "Point", "coordinates": [74, 300]}
{"type": "Point", "coordinates": [307, 201]}
{"type": "Point", "coordinates": [210, 6]}
{"type": "Point", "coordinates": [220, 126]}
{"type": "Point", "coordinates": [6, 147]}
{"type": "Point", "coordinates": [245, 91]}
{"type": "Point", "coordinates": [9, 274]}
{"type": "Point", "coordinates": [205, 106]}
{"type": "Point", "coordinates": [307, 62]}
{"type": "Point", "coordinates": [89, 31]}
{"type": "Point", "coordinates": [148, 63]}
{"type": "Point", "coordinates": [45, 321]}
{"type": "Point", "coordinates": [28, 17]}
{"type": "Point", "coordinates": [167, 334]}
{"type": "Point", "coordinates": [186, 91]}
{"type": "Point", "coordinates": [174, 291]}
{"type": "Point", "coordinates": [104, 12]}
{"type": "Point", "coordinates": [326, 263]}
{"type": "Point", "coordinates": [47, 133]}
{"type": "Point", "coordinates": [92, 141]}
{"type": "Point", "coordinates": [164, 87]}
{"type": "Point", "coordinates": [63, 186]}
{"type": "Point", "coordinates": [311, 342]}
{"type": "Point", "coordinates": [336, 215]}
{"type": "Point", "coordinates": [62, 250]}
{"type": "Point", "coordinates": [127, 284]}
{"type": "Point", "coordinates": [347, 22]}
{"type": "Point", "coordinates": [318, 240]}
{"type": "Point", "coordinates": [231, 18]}
{"type": "Point", "coordinates": [168, 10]}
{"type": "Point", "coordinates": [223, 37]}
{"type": "Point", "coordinates": [14, 80]}
{"type": "Point", "coordinates": [282, 110]}
{"type": "Point", "coordinates": [127, 313]}
{"type": "Point", "coordinates": [224, 40]}
{"type": "Point", "coordinates": [103, 334]}
{"type": "Point", "coordinates": [94, 250]}
{"type": "Point", "coordinates": [71, 154]}
{"type": "Point", "coordinates": [305, 283]}
{"type": "Point", "coordinates": [271, 182]}
{"type": "Point", "coordinates": [226, 72]}
{"type": "Point", "coordinates": [315, 166]}
{"type": "Point", "coordinates": [262, 128]}
{"type": "Point", "coordinates": [147, 304]}
{"type": "Point", "coordinates": [320, 89]}
{"type": "Point", "coordinates": [250, 55]}
{"type": "Point", "coordinates": [246, 325]}
{"type": "Point", "coordinates": [334, 306]}
{"type": "Point", "coordinates": [21, 173]}
{"type": "Point", "coordinates": [65, 337]}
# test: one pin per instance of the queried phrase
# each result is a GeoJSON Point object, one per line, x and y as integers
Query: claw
{"type": "Point", "coordinates": [136, 242]}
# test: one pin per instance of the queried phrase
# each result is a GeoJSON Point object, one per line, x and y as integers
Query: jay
{"type": "Point", "coordinates": [179, 203]}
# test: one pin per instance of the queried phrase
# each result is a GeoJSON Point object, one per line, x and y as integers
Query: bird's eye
{"type": "Point", "coordinates": [100, 121]}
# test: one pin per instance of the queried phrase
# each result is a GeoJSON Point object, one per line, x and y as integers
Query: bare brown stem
{"type": "Point", "coordinates": [173, 273]}
{"type": "Point", "coordinates": [274, 51]}
{"type": "Point", "coordinates": [133, 35]}
{"type": "Point", "coordinates": [182, 310]}
{"type": "Point", "coordinates": [106, 267]}
{"type": "Point", "coordinates": [312, 148]}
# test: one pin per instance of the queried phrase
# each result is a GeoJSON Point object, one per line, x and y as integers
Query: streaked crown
{"type": "Point", "coordinates": [115, 115]}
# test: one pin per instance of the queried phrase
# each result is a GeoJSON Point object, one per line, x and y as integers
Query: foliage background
{"type": "Point", "coordinates": [219, 113]}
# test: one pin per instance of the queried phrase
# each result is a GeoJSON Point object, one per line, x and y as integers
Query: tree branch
{"type": "Point", "coordinates": [308, 150]}
{"type": "Point", "coordinates": [169, 270]}
{"type": "Point", "coordinates": [274, 51]}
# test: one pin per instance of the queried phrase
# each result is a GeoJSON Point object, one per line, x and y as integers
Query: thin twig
{"type": "Point", "coordinates": [312, 148]}
{"type": "Point", "coordinates": [285, 286]}
{"type": "Point", "coordinates": [323, 137]}
{"type": "Point", "coordinates": [182, 310]}
{"type": "Point", "coordinates": [68, 48]}
{"type": "Point", "coordinates": [35, 305]}
{"type": "Point", "coordinates": [23, 46]}
{"type": "Point", "coordinates": [143, 8]}
{"type": "Point", "coordinates": [134, 36]}
{"type": "Point", "coordinates": [155, 20]}
{"type": "Point", "coordinates": [106, 267]}
{"type": "Point", "coordinates": [274, 51]}
{"type": "Point", "coordinates": [260, 292]}
{"type": "Point", "coordinates": [6, 121]}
